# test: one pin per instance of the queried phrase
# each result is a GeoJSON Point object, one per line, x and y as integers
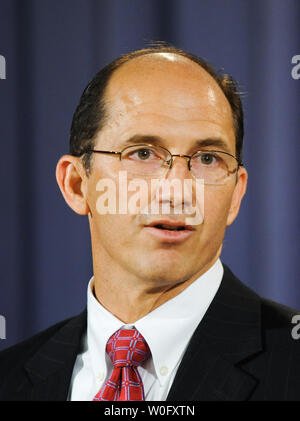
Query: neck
{"type": "Point", "coordinates": [130, 298]}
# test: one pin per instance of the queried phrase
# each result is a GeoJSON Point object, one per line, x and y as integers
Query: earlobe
{"type": "Point", "coordinates": [71, 183]}
{"type": "Point", "coordinates": [238, 194]}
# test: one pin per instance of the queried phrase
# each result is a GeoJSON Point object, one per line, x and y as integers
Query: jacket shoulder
{"type": "Point", "coordinates": [277, 316]}
{"type": "Point", "coordinates": [278, 365]}
{"type": "Point", "coordinates": [281, 330]}
{"type": "Point", "coordinates": [14, 357]}
{"type": "Point", "coordinates": [273, 315]}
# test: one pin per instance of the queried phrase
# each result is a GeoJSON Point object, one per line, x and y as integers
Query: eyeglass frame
{"type": "Point", "coordinates": [239, 163]}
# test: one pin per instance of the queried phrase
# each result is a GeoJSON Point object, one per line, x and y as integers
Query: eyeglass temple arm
{"type": "Point", "coordinates": [108, 152]}
{"type": "Point", "coordinates": [236, 170]}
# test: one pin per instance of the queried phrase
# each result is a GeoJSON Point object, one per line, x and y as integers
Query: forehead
{"type": "Point", "coordinates": [169, 90]}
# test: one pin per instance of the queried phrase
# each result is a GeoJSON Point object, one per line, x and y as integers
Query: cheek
{"type": "Point", "coordinates": [217, 202]}
{"type": "Point", "coordinates": [114, 234]}
{"type": "Point", "coordinates": [111, 229]}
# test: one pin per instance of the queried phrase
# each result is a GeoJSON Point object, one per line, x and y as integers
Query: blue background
{"type": "Point", "coordinates": [52, 49]}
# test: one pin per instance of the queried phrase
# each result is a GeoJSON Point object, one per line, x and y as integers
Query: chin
{"type": "Point", "coordinates": [166, 273]}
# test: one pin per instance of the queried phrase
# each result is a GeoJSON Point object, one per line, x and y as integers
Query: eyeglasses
{"type": "Point", "coordinates": [214, 167]}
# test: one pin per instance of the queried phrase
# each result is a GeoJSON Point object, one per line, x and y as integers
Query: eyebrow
{"type": "Point", "coordinates": [157, 140]}
{"type": "Point", "coordinates": [215, 142]}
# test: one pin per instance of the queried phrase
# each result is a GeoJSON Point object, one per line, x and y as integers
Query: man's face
{"type": "Point", "coordinates": [172, 99]}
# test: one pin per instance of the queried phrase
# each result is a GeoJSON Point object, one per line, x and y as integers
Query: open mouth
{"type": "Point", "coordinates": [169, 231]}
{"type": "Point", "coordinates": [170, 227]}
{"type": "Point", "coordinates": [174, 226]}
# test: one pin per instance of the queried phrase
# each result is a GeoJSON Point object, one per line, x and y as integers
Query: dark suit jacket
{"type": "Point", "coordinates": [242, 350]}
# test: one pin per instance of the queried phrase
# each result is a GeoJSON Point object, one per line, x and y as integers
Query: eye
{"type": "Point", "coordinates": [207, 158]}
{"type": "Point", "coordinates": [144, 154]}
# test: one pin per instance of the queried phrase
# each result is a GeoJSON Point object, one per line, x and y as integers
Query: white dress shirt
{"type": "Point", "coordinates": [167, 330]}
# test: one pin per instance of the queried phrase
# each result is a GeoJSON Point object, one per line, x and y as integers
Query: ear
{"type": "Point", "coordinates": [71, 179]}
{"type": "Point", "coordinates": [238, 194]}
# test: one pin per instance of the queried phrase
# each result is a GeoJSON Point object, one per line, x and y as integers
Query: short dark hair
{"type": "Point", "coordinates": [90, 114]}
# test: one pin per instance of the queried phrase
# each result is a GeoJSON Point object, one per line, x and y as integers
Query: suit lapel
{"type": "Point", "coordinates": [229, 333]}
{"type": "Point", "coordinates": [50, 369]}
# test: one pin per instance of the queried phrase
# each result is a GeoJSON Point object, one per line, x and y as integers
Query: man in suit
{"type": "Point", "coordinates": [165, 319]}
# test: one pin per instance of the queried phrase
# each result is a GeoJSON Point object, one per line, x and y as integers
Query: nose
{"type": "Point", "coordinates": [178, 196]}
{"type": "Point", "coordinates": [179, 167]}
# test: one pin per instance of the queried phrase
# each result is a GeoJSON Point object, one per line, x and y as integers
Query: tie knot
{"type": "Point", "coordinates": [127, 347]}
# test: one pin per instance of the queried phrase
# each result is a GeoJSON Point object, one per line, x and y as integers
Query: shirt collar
{"type": "Point", "coordinates": [167, 329]}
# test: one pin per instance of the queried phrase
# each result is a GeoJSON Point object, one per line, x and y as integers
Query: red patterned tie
{"type": "Point", "coordinates": [127, 350]}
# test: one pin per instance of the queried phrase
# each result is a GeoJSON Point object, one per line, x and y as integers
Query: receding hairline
{"type": "Point", "coordinates": [157, 60]}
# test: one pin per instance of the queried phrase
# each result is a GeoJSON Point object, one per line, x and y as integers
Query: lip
{"type": "Point", "coordinates": [169, 236]}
